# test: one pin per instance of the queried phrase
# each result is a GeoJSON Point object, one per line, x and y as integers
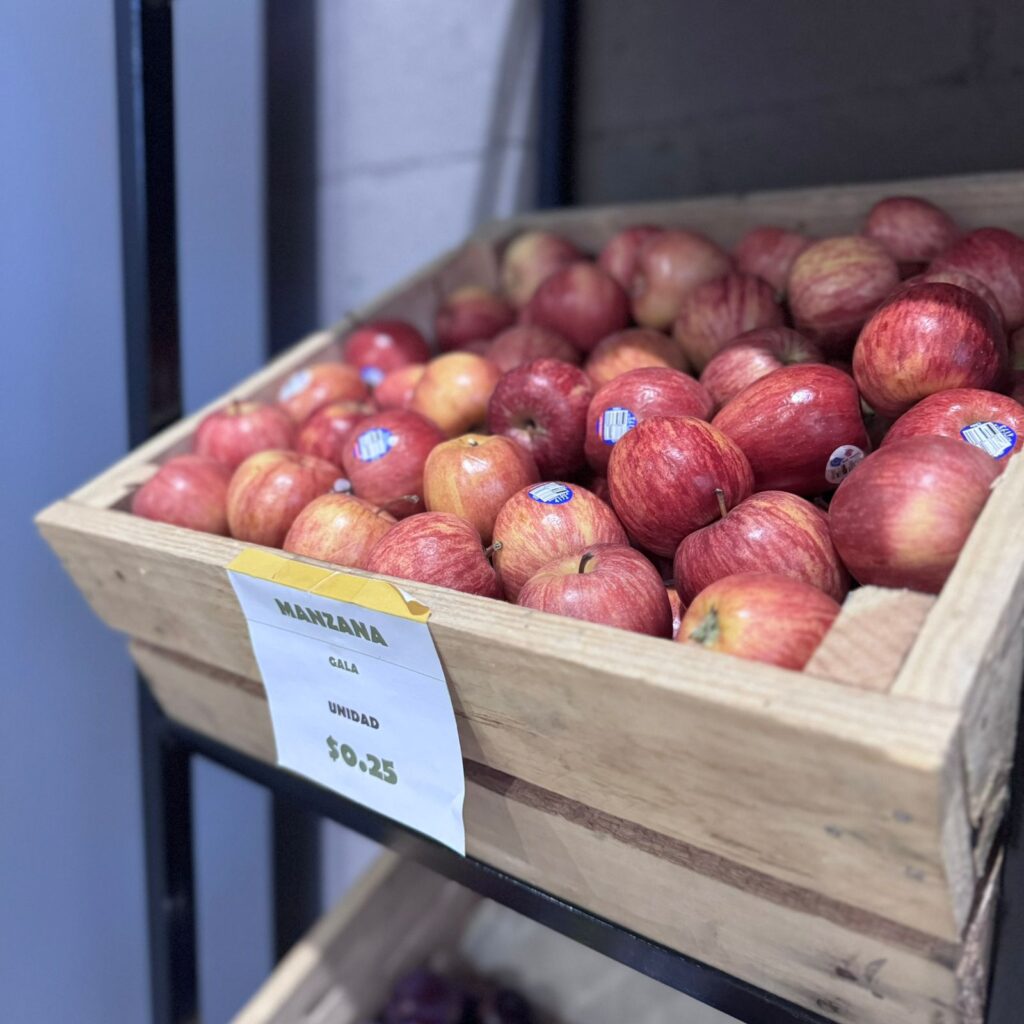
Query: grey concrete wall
{"type": "Point", "coordinates": [717, 95]}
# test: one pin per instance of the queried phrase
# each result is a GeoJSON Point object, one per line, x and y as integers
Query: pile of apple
{"type": "Point", "coordinates": [671, 438]}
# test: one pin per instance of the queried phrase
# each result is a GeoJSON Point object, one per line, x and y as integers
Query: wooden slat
{"type": "Point", "coordinates": [815, 783]}
{"type": "Point", "coordinates": [871, 637]}
{"type": "Point", "coordinates": [849, 966]}
{"type": "Point", "coordinates": [395, 917]}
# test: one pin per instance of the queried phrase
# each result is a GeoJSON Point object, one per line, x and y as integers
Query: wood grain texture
{"type": "Point", "coordinates": [812, 782]}
{"type": "Point", "coordinates": [871, 637]}
{"type": "Point", "coordinates": [343, 970]}
{"type": "Point", "coordinates": [848, 965]}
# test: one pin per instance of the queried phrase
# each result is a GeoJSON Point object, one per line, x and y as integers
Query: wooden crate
{"type": "Point", "coordinates": [828, 835]}
{"type": "Point", "coordinates": [400, 917]}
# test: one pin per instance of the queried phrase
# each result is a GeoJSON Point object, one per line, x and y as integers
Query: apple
{"type": "Point", "coordinates": [664, 474]}
{"type": "Point", "coordinates": [771, 531]}
{"type": "Point", "coordinates": [385, 456]}
{"type": "Point", "coordinates": [325, 432]}
{"type": "Point", "coordinates": [618, 256]}
{"type": "Point", "coordinates": [715, 312]}
{"type": "Point", "coordinates": [632, 349]}
{"type": "Point", "coordinates": [610, 584]}
{"type": "Point", "coordinates": [769, 253]}
{"type": "Point", "coordinates": [230, 435]}
{"type": "Point", "coordinates": [800, 427]}
{"type": "Point", "coordinates": [396, 388]}
{"type": "Point", "coordinates": [307, 389]}
{"type": "Point", "coordinates": [929, 338]}
{"type": "Point", "coordinates": [438, 548]}
{"type": "Point", "coordinates": [913, 230]}
{"type": "Point", "coordinates": [633, 397]}
{"type": "Point", "coordinates": [990, 421]}
{"type": "Point", "coordinates": [961, 279]}
{"type": "Point", "coordinates": [524, 343]}
{"type": "Point", "coordinates": [338, 528]}
{"type": "Point", "coordinates": [753, 355]}
{"type": "Point", "coordinates": [668, 267]}
{"type": "Point", "coordinates": [469, 314]}
{"type": "Point", "coordinates": [677, 606]}
{"type": "Point", "coordinates": [996, 258]}
{"type": "Point", "coordinates": [761, 617]}
{"type": "Point", "coordinates": [480, 347]}
{"type": "Point", "coordinates": [454, 391]}
{"type": "Point", "coordinates": [268, 491]}
{"type": "Point", "coordinates": [580, 302]}
{"type": "Point", "coordinates": [542, 522]}
{"type": "Point", "coordinates": [531, 258]}
{"type": "Point", "coordinates": [543, 407]}
{"type": "Point", "coordinates": [189, 491]}
{"type": "Point", "coordinates": [901, 519]}
{"type": "Point", "coordinates": [474, 475]}
{"type": "Point", "coordinates": [379, 346]}
{"type": "Point", "coordinates": [835, 285]}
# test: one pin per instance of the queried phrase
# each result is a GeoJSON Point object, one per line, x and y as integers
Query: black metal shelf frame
{"type": "Point", "coordinates": [146, 113]}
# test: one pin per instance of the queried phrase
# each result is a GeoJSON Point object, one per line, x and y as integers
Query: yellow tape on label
{"type": "Point", "coordinates": [376, 595]}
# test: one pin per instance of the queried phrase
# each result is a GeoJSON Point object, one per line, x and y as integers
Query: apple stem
{"type": "Point", "coordinates": [722, 507]}
{"type": "Point", "coordinates": [413, 498]}
{"type": "Point", "coordinates": [587, 556]}
{"type": "Point", "coordinates": [472, 442]}
{"type": "Point", "coordinates": [496, 546]}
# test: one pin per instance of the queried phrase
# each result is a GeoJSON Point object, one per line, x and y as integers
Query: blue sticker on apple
{"type": "Point", "coordinates": [615, 422]}
{"type": "Point", "coordinates": [551, 494]}
{"type": "Point", "coordinates": [374, 444]}
{"type": "Point", "coordinates": [997, 439]}
{"type": "Point", "coordinates": [372, 375]}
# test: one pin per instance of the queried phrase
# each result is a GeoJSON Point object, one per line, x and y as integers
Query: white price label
{"type": "Point", "coordinates": [357, 695]}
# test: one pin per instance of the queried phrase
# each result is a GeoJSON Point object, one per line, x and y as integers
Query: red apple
{"type": "Point", "coordinates": [913, 230]}
{"type": "Point", "coordinates": [800, 427]}
{"type": "Point", "coordinates": [269, 490]}
{"type": "Point", "coordinates": [189, 491]}
{"type": "Point", "coordinates": [754, 355]}
{"type": "Point", "coordinates": [769, 253]}
{"type": "Point", "coordinates": [524, 343]}
{"type": "Point", "coordinates": [962, 280]}
{"type": "Point", "coordinates": [677, 606]}
{"type": "Point", "coordinates": [437, 548]}
{"type": "Point", "coordinates": [338, 528]}
{"type": "Point", "coordinates": [760, 617]}
{"type": "Point", "coordinates": [474, 475]}
{"type": "Point", "coordinates": [636, 396]}
{"type": "Point", "coordinates": [530, 259]}
{"type": "Point", "coordinates": [543, 407]}
{"type": "Point", "coordinates": [379, 346]}
{"type": "Point", "coordinates": [454, 391]}
{"type": "Point", "coordinates": [325, 433]}
{"type": "Point", "coordinates": [396, 389]}
{"type": "Point", "coordinates": [230, 435]}
{"type": "Point", "coordinates": [668, 267]}
{"type": "Point", "coordinates": [610, 584]}
{"type": "Point", "coordinates": [929, 338]}
{"type": "Point", "coordinates": [581, 302]}
{"type": "Point", "coordinates": [717, 311]}
{"type": "Point", "coordinates": [385, 457]}
{"type": "Point", "coordinates": [771, 531]}
{"type": "Point", "coordinates": [990, 421]}
{"type": "Point", "coordinates": [996, 258]}
{"type": "Point", "coordinates": [1015, 388]}
{"type": "Point", "coordinates": [835, 285]}
{"type": "Point", "coordinates": [544, 521]}
{"type": "Point", "coordinates": [469, 314]}
{"type": "Point", "coordinates": [632, 349]}
{"type": "Point", "coordinates": [308, 389]}
{"type": "Point", "coordinates": [663, 476]}
{"type": "Point", "coordinates": [618, 257]}
{"type": "Point", "coordinates": [901, 519]}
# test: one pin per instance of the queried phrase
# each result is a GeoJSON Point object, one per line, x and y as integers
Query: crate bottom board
{"type": "Point", "coordinates": [831, 958]}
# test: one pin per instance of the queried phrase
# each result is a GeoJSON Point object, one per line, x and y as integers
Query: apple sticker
{"type": "Point", "coordinates": [371, 375]}
{"type": "Point", "coordinates": [374, 444]}
{"type": "Point", "coordinates": [551, 494]}
{"type": "Point", "coordinates": [842, 462]}
{"type": "Point", "coordinates": [997, 439]}
{"type": "Point", "coordinates": [615, 422]}
{"type": "Point", "coordinates": [294, 385]}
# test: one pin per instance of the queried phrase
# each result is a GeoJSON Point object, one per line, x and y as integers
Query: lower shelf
{"type": "Point", "coordinates": [829, 958]}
